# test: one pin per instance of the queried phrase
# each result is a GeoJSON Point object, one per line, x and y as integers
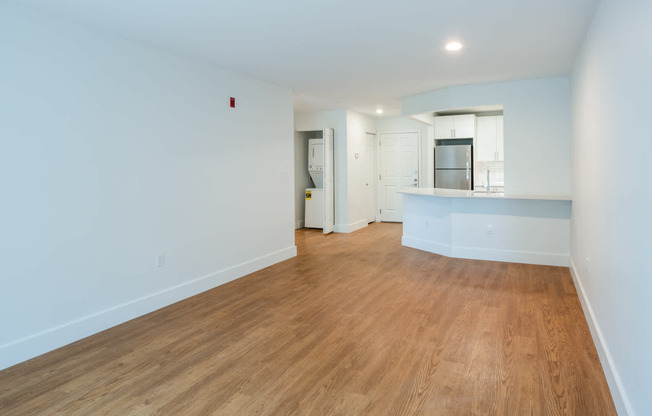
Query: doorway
{"type": "Point", "coordinates": [314, 179]}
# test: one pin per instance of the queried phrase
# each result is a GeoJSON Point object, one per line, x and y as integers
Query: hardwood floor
{"type": "Point", "coordinates": [355, 325]}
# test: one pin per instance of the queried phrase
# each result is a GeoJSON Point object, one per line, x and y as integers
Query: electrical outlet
{"type": "Point", "coordinates": [490, 229]}
{"type": "Point", "coordinates": [160, 260]}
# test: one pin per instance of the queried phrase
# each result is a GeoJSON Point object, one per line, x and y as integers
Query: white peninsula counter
{"type": "Point", "coordinates": [477, 225]}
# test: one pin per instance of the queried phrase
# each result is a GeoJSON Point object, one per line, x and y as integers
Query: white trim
{"type": "Point", "coordinates": [349, 228]}
{"type": "Point", "coordinates": [300, 224]}
{"type": "Point", "coordinates": [358, 225]}
{"type": "Point", "coordinates": [478, 253]}
{"type": "Point", "coordinates": [341, 228]}
{"type": "Point", "coordinates": [511, 256]}
{"type": "Point", "coordinates": [31, 346]}
{"type": "Point", "coordinates": [426, 245]}
{"type": "Point", "coordinates": [623, 406]}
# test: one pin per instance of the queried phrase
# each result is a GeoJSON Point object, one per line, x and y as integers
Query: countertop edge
{"type": "Point", "coordinates": [455, 193]}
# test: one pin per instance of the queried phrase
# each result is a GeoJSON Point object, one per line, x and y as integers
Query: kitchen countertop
{"type": "Point", "coordinates": [531, 229]}
{"type": "Point", "coordinates": [459, 193]}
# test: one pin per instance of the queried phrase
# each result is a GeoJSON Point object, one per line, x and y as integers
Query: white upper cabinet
{"type": "Point", "coordinates": [444, 127]}
{"type": "Point", "coordinates": [485, 144]}
{"type": "Point", "coordinates": [500, 142]}
{"type": "Point", "coordinates": [489, 140]}
{"type": "Point", "coordinates": [455, 127]}
{"type": "Point", "coordinates": [464, 126]}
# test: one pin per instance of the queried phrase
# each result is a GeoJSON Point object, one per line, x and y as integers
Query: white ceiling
{"type": "Point", "coordinates": [353, 54]}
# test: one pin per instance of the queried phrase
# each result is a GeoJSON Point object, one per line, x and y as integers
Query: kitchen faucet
{"type": "Point", "coordinates": [488, 183]}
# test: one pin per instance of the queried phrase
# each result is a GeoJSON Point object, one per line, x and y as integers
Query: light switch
{"type": "Point", "coordinates": [160, 260]}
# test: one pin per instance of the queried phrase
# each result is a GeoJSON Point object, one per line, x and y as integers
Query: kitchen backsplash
{"type": "Point", "coordinates": [496, 173]}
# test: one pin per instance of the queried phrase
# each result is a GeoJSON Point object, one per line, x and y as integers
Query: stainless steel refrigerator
{"type": "Point", "coordinates": [454, 164]}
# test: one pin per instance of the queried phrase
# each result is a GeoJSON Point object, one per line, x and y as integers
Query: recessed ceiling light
{"type": "Point", "coordinates": [379, 111]}
{"type": "Point", "coordinates": [453, 46]}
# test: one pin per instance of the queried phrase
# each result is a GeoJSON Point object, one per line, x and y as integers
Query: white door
{"type": "Point", "coordinates": [370, 175]}
{"type": "Point", "coordinates": [399, 169]}
{"type": "Point", "coordinates": [329, 201]}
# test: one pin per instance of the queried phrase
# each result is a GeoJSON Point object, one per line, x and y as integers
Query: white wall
{"type": "Point", "coordinates": [611, 225]}
{"type": "Point", "coordinates": [113, 152]}
{"type": "Point", "coordinates": [357, 127]}
{"type": "Point", "coordinates": [536, 124]}
{"type": "Point", "coordinates": [335, 119]}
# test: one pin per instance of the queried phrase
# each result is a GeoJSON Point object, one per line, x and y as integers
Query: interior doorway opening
{"type": "Point", "coordinates": [313, 179]}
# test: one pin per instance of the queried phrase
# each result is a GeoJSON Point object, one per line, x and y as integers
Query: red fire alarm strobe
{"type": "Point", "coordinates": [232, 102]}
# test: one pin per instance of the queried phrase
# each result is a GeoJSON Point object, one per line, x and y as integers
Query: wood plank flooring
{"type": "Point", "coordinates": [355, 325]}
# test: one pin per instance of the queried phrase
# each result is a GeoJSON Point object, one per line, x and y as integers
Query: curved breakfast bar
{"type": "Point", "coordinates": [477, 225]}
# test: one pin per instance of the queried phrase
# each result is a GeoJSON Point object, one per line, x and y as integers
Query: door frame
{"type": "Point", "coordinates": [379, 136]}
{"type": "Point", "coordinates": [374, 177]}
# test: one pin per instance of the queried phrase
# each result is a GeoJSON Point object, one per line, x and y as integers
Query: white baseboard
{"type": "Point", "coordinates": [349, 228]}
{"type": "Point", "coordinates": [512, 256]}
{"type": "Point", "coordinates": [341, 228]}
{"type": "Point", "coordinates": [299, 224]}
{"type": "Point", "coordinates": [53, 338]}
{"type": "Point", "coordinates": [623, 406]}
{"type": "Point", "coordinates": [358, 225]}
{"type": "Point", "coordinates": [426, 245]}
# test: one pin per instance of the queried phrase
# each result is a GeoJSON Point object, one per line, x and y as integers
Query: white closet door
{"type": "Point", "coordinates": [329, 202]}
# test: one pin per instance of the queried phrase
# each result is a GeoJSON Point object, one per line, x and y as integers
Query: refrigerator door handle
{"type": "Point", "coordinates": [468, 177]}
{"type": "Point", "coordinates": [468, 156]}
{"type": "Point", "coordinates": [468, 169]}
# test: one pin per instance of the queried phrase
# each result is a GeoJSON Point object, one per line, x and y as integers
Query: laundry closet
{"type": "Point", "coordinates": [314, 157]}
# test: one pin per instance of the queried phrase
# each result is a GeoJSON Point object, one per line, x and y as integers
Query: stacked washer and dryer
{"type": "Point", "coordinates": [315, 196]}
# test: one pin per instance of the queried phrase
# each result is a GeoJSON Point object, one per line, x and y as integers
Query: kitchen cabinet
{"type": "Point", "coordinates": [444, 127]}
{"type": "Point", "coordinates": [489, 139]}
{"type": "Point", "coordinates": [500, 142]}
{"type": "Point", "coordinates": [455, 127]}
